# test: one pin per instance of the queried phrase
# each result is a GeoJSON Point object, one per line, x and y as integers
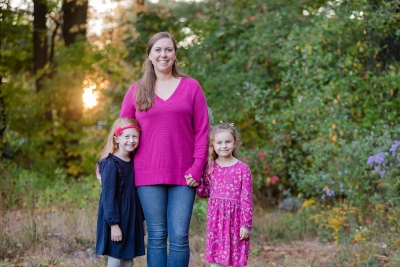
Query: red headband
{"type": "Point", "coordinates": [119, 130]}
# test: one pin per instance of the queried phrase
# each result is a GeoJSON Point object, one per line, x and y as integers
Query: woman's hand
{"type": "Point", "coordinates": [116, 234]}
{"type": "Point", "coordinates": [244, 233]}
{"type": "Point", "coordinates": [144, 228]}
{"type": "Point", "coordinates": [190, 181]}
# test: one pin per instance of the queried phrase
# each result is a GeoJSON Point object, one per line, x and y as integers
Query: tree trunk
{"type": "Point", "coordinates": [75, 19]}
{"type": "Point", "coordinates": [39, 40]}
{"type": "Point", "coordinates": [73, 28]}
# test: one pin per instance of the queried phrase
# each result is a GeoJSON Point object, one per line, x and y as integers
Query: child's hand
{"type": "Point", "coordinates": [244, 233]}
{"type": "Point", "coordinates": [98, 176]}
{"type": "Point", "coordinates": [116, 234]}
{"type": "Point", "coordinates": [190, 181]}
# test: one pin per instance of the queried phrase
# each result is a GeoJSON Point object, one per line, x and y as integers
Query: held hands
{"type": "Point", "coordinates": [244, 233]}
{"type": "Point", "coordinates": [116, 234]}
{"type": "Point", "coordinates": [190, 181]}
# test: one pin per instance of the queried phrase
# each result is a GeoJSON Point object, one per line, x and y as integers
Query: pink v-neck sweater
{"type": "Point", "coordinates": [173, 141]}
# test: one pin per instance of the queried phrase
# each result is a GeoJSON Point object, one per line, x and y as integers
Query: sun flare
{"type": "Point", "coordinates": [89, 97]}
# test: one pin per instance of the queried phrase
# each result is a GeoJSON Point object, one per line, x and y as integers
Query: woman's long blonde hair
{"type": "Point", "coordinates": [146, 87]}
{"type": "Point", "coordinates": [212, 156]}
{"type": "Point", "coordinates": [111, 146]}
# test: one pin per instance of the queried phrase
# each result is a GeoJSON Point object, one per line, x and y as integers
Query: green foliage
{"type": "Point", "coordinates": [349, 175]}
{"type": "Point", "coordinates": [311, 85]}
{"type": "Point", "coordinates": [199, 214]}
{"type": "Point", "coordinates": [301, 80]}
{"type": "Point", "coordinates": [16, 43]}
{"type": "Point", "coordinates": [62, 133]}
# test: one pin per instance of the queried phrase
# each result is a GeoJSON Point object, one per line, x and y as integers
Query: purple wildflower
{"type": "Point", "coordinates": [382, 174]}
{"type": "Point", "coordinates": [371, 160]}
{"type": "Point", "coordinates": [324, 176]}
{"type": "Point", "coordinates": [332, 182]}
{"type": "Point", "coordinates": [396, 143]}
{"type": "Point", "coordinates": [341, 187]}
{"type": "Point", "coordinates": [323, 196]}
{"type": "Point", "coordinates": [378, 159]}
{"type": "Point", "coordinates": [330, 193]}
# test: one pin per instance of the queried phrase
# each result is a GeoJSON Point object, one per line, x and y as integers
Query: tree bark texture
{"type": "Point", "coordinates": [40, 44]}
{"type": "Point", "coordinates": [75, 20]}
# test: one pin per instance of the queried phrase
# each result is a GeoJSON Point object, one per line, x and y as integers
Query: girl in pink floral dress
{"type": "Point", "coordinates": [227, 182]}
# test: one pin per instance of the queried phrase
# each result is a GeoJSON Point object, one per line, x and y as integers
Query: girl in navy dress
{"type": "Point", "coordinates": [120, 229]}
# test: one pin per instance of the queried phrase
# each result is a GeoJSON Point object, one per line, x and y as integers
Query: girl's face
{"type": "Point", "coordinates": [163, 55]}
{"type": "Point", "coordinates": [128, 141]}
{"type": "Point", "coordinates": [223, 144]}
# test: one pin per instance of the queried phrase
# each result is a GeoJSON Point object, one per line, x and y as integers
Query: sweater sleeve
{"type": "Point", "coordinates": [246, 199]}
{"type": "Point", "coordinates": [128, 104]}
{"type": "Point", "coordinates": [203, 190]}
{"type": "Point", "coordinates": [109, 192]}
{"type": "Point", "coordinates": [200, 126]}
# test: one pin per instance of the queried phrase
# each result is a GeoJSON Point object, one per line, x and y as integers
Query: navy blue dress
{"type": "Point", "coordinates": [119, 204]}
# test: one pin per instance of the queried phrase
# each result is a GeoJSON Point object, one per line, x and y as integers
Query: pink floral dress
{"type": "Point", "coordinates": [229, 208]}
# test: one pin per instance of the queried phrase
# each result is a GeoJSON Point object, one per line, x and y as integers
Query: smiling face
{"type": "Point", "coordinates": [223, 144]}
{"type": "Point", "coordinates": [127, 142]}
{"type": "Point", "coordinates": [163, 55]}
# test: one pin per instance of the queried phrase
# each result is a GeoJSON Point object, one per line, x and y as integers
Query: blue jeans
{"type": "Point", "coordinates": [167, 209]}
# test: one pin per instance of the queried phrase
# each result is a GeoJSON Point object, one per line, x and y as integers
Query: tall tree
{"type": "Point", "coordinates": [40, 44]}
{"type": "Point", "coordinates": [75, 19]}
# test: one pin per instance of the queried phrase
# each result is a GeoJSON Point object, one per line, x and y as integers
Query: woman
{"type": "Point", "coordinates": [171, 109]}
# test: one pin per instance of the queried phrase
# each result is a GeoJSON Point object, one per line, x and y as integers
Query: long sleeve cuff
{"type": "Point", "coordinates": [203, 191]}
{"type": "Point", "coordinates": [196, 171]}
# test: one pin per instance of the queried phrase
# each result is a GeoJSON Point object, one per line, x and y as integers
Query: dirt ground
{"type": "Point", "coordinates": [298, 253]}
{"type": "Point", "coordinates": [71, 243]}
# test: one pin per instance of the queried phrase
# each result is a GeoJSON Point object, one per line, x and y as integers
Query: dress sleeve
{"type": "Point", "coordinates": [109, 192]}
{"type": "Point", "coordinates": [200, 126]}
{"type": "Point", "coordinates": [128, 108]}
{"type": "Point", "coordinates": [203, 190]}
{"type": "Point", "coordinates": [246, 199]}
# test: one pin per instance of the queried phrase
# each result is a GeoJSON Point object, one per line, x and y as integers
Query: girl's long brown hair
{"type": "Point", "coordinates": [212, 156]}
{"type": "Point", "coordinates": [146, 87]}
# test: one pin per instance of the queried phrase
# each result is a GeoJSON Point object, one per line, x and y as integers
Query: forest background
{"type": "Point", "coordinates": [312, 86]}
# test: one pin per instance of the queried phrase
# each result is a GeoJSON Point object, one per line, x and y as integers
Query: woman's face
{"type": "Point", "coordinates": [163, 55]}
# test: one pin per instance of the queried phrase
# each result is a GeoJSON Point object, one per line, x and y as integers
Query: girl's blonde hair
{"type": "Point", "coordinates": [111, 146]}
{"type": "Point", "coordinates": [146, 87]}
{"type": "Point", "coordinates": [212, 156]}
